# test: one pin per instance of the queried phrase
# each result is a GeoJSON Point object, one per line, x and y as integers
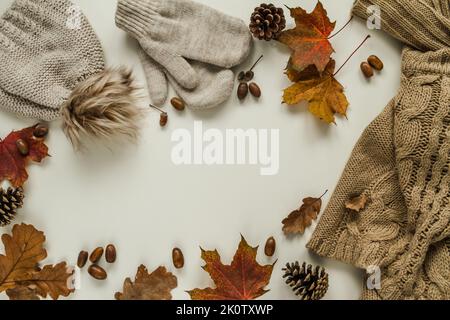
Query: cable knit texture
{"type": "Point", "coordinates": [42, 59]}
{"type": "Point", "coordinates": [401, 163]}
{"type": "Point", "coordinates": [188, 44]}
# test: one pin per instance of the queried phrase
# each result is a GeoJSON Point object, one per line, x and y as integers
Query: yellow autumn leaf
{"type": "Point", "coordinates": [325, 96]}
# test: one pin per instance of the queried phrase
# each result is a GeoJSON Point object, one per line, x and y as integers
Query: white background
{"type": "Point", "coordinates": [136, 198]}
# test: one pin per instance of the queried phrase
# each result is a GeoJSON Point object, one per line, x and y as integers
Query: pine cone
{"type": "Point", "coordinates": [307, 282]}
{"type": "Point", "coordinates": [267, 22]}
{"type": "Point", "coordinates": [10, 201]}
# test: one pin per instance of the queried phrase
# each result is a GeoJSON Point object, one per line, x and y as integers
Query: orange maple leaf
{"type": "Point", "coordinates": [310, 38]}
{"type": "Point", "coordinates": [13, 163]}
{"type": "Point", "coordinates": [244, 279]}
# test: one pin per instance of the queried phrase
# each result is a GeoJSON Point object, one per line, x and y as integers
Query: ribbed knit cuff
{"type": "Point", "coordinates": [135, 16]}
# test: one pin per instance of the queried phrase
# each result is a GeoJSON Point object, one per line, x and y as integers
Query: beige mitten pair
{"type": "Point", "coordinates": [190, 45]}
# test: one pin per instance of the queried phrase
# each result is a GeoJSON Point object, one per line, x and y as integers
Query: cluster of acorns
{"type": "Point", "coordinates": [244, 87]}
{"type": "Point", "coordinates": [373, 62]}
{"type": "Point", "coordinates": [40, 131]}
{"type": "Point", "coordinates": [177, 103]}
{"type": "Point", "coordinates": [96, 271]}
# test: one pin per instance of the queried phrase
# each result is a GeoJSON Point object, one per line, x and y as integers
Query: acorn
{"type": "Point", "coordinates": [22, 147]}
{"type": "Point", "coordinates": [367, 70]}
{"type": "Point", "coordinates": [242, 90]}
{"type": "Point", "coordinates": [255, 90]}
{"type": "Point", "coordinates": [375, 62]}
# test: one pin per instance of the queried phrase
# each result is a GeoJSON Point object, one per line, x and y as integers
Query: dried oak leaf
{"type": "Point", "coordinates": [24, 250]}
{"type": "Point", "coordinates": [309, 39]}
{"type": "Point", "coordinates": [357, 204]}
{"type": "Point", "coordinates": [149, 286]}
{"type": "Point", "coordinates": [22, 293]}
{"type": "Point", "coordinates": [299, 220]}
{"type": "Point", "coordinates": [13, 163]}
{"type": "Point", "coordinates": [52, 281]}
{"type": "Point", "coordinates": [244, 279]}
{"type": "Point", "coordinates": [323, 92]}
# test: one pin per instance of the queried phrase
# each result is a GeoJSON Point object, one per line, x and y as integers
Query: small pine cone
{"type": "Point", "coordinates": [10, 201]}
{"type": "Point", "coordinates": [308, 283]}
{"type": "Point", "coordinates": [267, 22]}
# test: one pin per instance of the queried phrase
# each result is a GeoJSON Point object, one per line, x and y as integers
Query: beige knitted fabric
{"type": "Point", "coordinates": [188, 44]}
{"type": "Point", "coordinates": [42, 59]}
{"type": "Point", "coordinates": [401, 163]}
{"type": "Point", "coordinates": [52, 66]}
{"type": "Point", "coordinates": [215, 84]}
{"type": "Point", "coordinates": [171, 31]}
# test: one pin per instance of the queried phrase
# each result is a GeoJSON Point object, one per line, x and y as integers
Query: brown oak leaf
{"type": "Point", "coordinates": [309, 39]}
{"type": "Point", "coordinates": [19, 267]}
{"type": "Point", "coordinates": [22, 293]}
{"type": "Point", "coordinates": [323, 92]}
{"type": "Point", "coordinates": [149, 286]}
{"type": "Point", "coordinates": [13, 163]}
{"type": "Point", "coordinates": [52, 280]}
{"type": "Point", "coordinates": [299, 220]}
{"type": "Point", "coordinates": [357, 203]}
{"type": "Point", "coordinates": [244, 279]}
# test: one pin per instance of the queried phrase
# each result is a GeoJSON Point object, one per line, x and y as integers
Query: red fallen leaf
{"type": "Point", "coordinates": [309, 38]}
{"type": "Point", "coordinates": [13, 163]}
{"type": "Point", "coordinates": [244, 279]}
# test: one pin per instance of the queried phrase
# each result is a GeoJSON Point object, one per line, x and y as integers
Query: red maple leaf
{"type": "Point", "coordinates": [309, 38]}
{"type": "Point", "coordinates": [13, 163]}
{"type": "Point", "coordinates": [244, 279]}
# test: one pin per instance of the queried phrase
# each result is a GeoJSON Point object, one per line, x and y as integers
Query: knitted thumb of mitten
{"type": "Point", "coordinates": [364, 238]}
{"type": "Point", "coordinates": [54, 67]}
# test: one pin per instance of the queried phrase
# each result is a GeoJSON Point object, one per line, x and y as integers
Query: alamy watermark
{"type": "Point", "coordinates": [227, 147]}
{"type": "Point", "coordinates": [374, 278]}
{"type": "Point", "coordinates": [74, 20]}
{"type": "Point", "coordinates": [374, 19]}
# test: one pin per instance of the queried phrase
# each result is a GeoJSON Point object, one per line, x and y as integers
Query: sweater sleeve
{"type": "Point", "coordinates": [421, 24]}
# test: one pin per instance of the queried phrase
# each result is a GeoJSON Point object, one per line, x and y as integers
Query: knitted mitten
{"type": "Point", "coordinates": [215, 84]}
{"type": "Point", "coordinates": [171, 31]}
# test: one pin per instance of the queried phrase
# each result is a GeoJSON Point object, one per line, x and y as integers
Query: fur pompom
{"type": "Point", "coordinates": [102, 106]}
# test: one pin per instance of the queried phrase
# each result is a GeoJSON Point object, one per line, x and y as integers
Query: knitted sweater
{"type": "Point", "coordinates": [401, 163]}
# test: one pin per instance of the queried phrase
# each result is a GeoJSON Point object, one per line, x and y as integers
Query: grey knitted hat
{"type": "Point", "coordinates": [52, 66]}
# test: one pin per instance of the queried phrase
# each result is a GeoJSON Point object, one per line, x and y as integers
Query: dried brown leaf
{"type": "Point", "coordinates": [52, 281]}
{"type": "Point", "coordinates": [23, 251]}
{"type": "Point", "coordinates": [244, 279]}
{"type": "Point", "coordinates": [357, 204]}
{"type": "Point", "coordinates": [19, 267]}
{"type": "Point", "coordinates": [149, 286]}
{"type": "Point", "coordinates": [22, 293]}
{"type": "Point", "coordinates": [299, 220]}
